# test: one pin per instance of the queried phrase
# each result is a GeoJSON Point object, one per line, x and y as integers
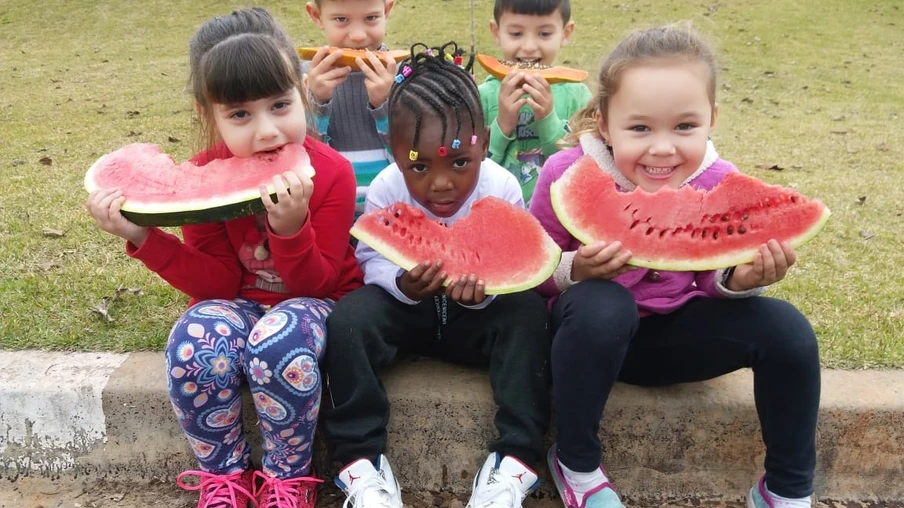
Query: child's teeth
{"type": "Point", "coordinates": [658, 171]}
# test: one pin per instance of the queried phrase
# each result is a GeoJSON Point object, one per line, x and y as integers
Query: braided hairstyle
{"type": "Point", "coordinates": [429, 80]}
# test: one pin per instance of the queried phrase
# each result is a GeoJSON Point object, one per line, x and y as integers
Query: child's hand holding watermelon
{"type": "Point", "coordinates": [467, 290]}
{"type": "Point", "coordinates": [770, 264]}
{"type": "Point", "coordinates": [422, 281]}
{"type": "Point", "coordinates": [288, 213]}
{"type": "Point", "coordinates": [600, 261]}
{"type": "Point", "coordinates": [104, 205]}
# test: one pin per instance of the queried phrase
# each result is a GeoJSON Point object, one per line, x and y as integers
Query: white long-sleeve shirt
{"type": "Point", "coordinates": [389, 187]}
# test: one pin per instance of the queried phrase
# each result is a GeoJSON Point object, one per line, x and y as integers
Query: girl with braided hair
{"type": "Point", "coordinates": [439, 143]}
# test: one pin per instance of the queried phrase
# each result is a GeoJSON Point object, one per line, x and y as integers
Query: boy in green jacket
{"type": "Point", "coordinates": [525, 114]}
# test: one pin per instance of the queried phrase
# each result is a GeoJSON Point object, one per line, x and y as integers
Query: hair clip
{"type": "Point", "coordinates": [456, 144]}
{"type": "Point", "coordinates": [429, 52]}
{"type": "Point", "coordinates": [457, 60]}
{"type": "Point", "coordinates": [399, 78]}
{"type": "Point", "coordinates": [442, 151]}
{"type": "Point", "coordinates": [473, 139]}
{"type": "Point", "coordinates": [412, 155]}
{"type": "Point", "coordinates": [406, 71]}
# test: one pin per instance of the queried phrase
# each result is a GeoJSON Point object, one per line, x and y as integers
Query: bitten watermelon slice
{"type": "Point", "coordinates": [160, 192]}
{"type": "Point", "coordinates": [684, 229]}
{"type": "Point", "coordinates": [503, 245]}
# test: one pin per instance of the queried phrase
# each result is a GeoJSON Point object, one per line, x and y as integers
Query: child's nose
{"type": "Point", "coordinates": [357, 34]}
{"type": "Point", "coordinates": [266, 129]}
{"type": "Point", "coordinates": [662, 146]}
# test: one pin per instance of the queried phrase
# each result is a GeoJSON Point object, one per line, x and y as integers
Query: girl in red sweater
{"type": "Point", "coordinates": [260, 286]}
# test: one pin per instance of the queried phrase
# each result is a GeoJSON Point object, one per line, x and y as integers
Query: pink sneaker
{"type": "Point", "coordinates": [298, 492]}
{"type": "Point", "coordinates": [221, 490]}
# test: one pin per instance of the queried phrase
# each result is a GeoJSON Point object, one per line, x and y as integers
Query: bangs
{"type": "Point", "coordinates": [245, 68]}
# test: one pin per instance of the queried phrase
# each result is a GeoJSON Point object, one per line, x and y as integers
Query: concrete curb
{"type": "Point", "coordinates": [107, 416]}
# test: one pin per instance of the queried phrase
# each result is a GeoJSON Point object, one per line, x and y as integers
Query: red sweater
{"type": "Point", "coordinates": [223, 259]}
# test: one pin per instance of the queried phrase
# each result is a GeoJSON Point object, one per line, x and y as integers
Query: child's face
{"type": "Point", "coordinates": [357, 24]}
{"type": "Point", "coordinates": [441, 184]}
{"type": "Point", "coordinates": [262, 125]}
{"type": "Point", "coordinates": [531, 38]}
{"type": "Point", "coordinates": [658, 122]}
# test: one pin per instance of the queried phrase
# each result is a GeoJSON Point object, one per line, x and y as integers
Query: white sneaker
{"type": "Point", "coordinates": [366, 486]}
{"type": "Point", "coordinates": [502, 482]}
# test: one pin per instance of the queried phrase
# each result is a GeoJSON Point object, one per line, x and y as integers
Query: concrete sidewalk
{"type": "Point", "coordinates": [107, 416]}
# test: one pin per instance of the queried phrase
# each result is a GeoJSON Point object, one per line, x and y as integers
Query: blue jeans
{"type": "Point", "coordinates": [218, 345]}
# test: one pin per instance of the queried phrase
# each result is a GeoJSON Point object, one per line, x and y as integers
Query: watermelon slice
{"type": "Point", "coordinates": [160, 192]}
{"type": "Point", "coordinates": [684, 229]}
{"type": "Point", "coordinates": [502, 244]}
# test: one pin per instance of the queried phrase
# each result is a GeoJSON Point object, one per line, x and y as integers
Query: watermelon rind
{"type": "Point", "coordinates": [197, 211]}
{"type": "Point", "coordinates": [558, 200]}
{"type": "Point", "coordinates": [551, 252]}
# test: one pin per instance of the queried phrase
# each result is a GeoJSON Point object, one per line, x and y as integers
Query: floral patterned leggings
{"type": "Point", "coordinates": [215, 347]}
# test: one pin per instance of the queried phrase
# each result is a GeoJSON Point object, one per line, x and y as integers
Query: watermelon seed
{"type": "Point", "coordinates": [715, 235]}
{"type": "Point", "coordinates": [794, 199]}
{"type": "Point", "coordinates": [742, 230]}
{"type": "Point", "coordinates": [634, 224]}
{"type": "Point", "coordinates": [398, 213]}
{"type": "Point", "coordinates": [626, 207]}
{"type": "Point", "coordinates": [725, 218]}
{"type": "Point", "coordinates": [703, 234]}
{"type": "Point", "coordinates": [730, 230]}
{"type": "Point", "coordinates": [650, 230]}
{"type": "Point", "coordinates": [744, 217]}
{"type": "Point", "coordinates": [386, 222]}
{"type": "Point", "coordinates": [663, 232]}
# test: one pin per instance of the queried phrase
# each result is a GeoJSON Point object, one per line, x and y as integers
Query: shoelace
{"type": "Point", "coordinates": [504, 493]}
{"type": "Point", "coordinates": [374, 483]}
{"type": "Point", "coordinates": [217, 490]}
{"type": "Point", "coordinates": [281, 493]}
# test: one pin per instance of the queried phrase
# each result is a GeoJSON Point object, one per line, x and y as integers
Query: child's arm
{"type": "Point", "coordinates": [500, 142]}
{"type": "Point", "coordinates": [541, 208]}
{"type": "Point", "coordinates": [204, 267]}
{"type": "Point", "coordinates": [565, 100]}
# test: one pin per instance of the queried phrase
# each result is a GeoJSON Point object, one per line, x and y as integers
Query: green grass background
{"type": "Point", "coordinates": [814, 87]}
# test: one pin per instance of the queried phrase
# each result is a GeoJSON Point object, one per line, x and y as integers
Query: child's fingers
{"type": "Point", "coordinates": [790, 255]}
{"type": "Point", "coordinates": [265, 197]}
{"type": "Point", "coordinates": [479, 289]}
{"type": "Point", "coordinates": [538, 82]}
{"type": "Point", "coordinates": [335, 74]}
{"type": "Point", "coordinates": [436, 282]}
{"type": "Point", "coordinates": [607, 253]}
{"type": "Point", "coordinates": [367, 70]}
{"type": "Point", "coordinates": [319, 55]}
{"type": "Point", "coordinates": [511, 81]}
{"type": "Point", "coordinates": [769, 270]}
{"type": "Point", "coordinates": [432, 270]}
{"type": "Point", "coordinates": [418, 271]}
{"type": "Point", "coordinates": [282, 191]}
{"type": "Point", "coordinates": [469, 288]}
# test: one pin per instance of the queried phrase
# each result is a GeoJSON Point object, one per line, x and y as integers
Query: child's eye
{"type": "Point", "coordinates": [282, 105]}
{"type": "Point", "coordinates": [460, 163]}
{"type": "Point", "coordinates": [418, 168]}
{"type": "Point", "coordinates": [685, 126]}
{"type": "Point", "coordinates": [239, 115]}
{"type": "Point", "coordinates": [639, 128]}
{"type": "Point", "coordinates": [545, 34]}
{"type": "Point", "coordinates": [340, 19]}
{"type": "Point", "coordinates": [372, 18]}
{"type": "Point", "coordinates": [514, 34]}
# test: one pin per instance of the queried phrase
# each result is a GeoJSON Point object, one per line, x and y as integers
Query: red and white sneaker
{"type": "Point", "coordinates": [369, 485]}
{"type": "Point", "coordinates": [221, 490]}
{"type": "Point", "coordinates": [502, 482]}
{"type": "Point", "coordinates": [300, 492]}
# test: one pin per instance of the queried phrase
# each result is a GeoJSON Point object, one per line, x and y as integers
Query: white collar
{"type": "Point", "coordinates": [597, 150]}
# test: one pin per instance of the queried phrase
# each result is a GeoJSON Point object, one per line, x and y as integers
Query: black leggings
{"type": "Point", "coordinates": [599, 339]}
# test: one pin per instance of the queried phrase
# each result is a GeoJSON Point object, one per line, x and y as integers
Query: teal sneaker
{"type": "Point", "coordinates": [600, 496]}
{"type": "Point", "coordinates": [758, 497]}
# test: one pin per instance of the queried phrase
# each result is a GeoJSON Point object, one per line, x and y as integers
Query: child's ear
{"type": "Point", "coordinates": [712, 122]}
{"type": "Point", "coordinates": [602, 126]}
{"type": "Point", "coordinates": [389, 4]}
{"type": "Point", "coordinates": [569, 29]}
{"type": "Point", "coordinates": [494, 29]}
{"type": "Point", "coordinates": [314, 13]}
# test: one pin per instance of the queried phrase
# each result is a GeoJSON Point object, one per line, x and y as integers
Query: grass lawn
{"type": "Point", "coordinates": [811, 87]}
